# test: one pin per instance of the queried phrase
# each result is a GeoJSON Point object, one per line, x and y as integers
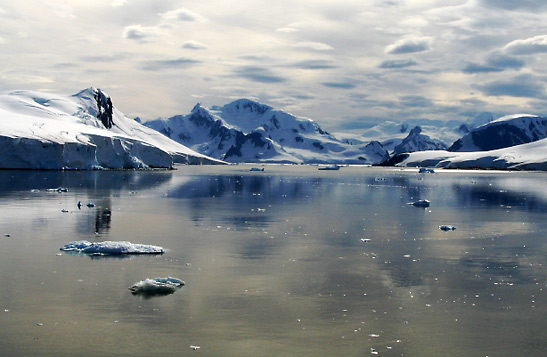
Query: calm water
{"type": "Point", "coordinates": [289, 261]}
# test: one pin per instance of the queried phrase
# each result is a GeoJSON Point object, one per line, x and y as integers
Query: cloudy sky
{"type": "Point", "coordinates": [343, 63]}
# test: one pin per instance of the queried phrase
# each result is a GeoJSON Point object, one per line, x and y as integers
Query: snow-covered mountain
{"type": "Point", "coordinates": [530, 156]}
{"type": "Point", "coordinates": [415, 141]}
{"type": "Point", "coordinates": [247, 131]}
{"type": "Point", "coordinates": [82, 131]}
{"type": "Point", "coordinates": [392, 133]}
{"type": "Point", "coordinates": [504, 132]}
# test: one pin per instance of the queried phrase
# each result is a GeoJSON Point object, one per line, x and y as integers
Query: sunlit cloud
{"type": "Point", "coordinates": [142, 33]}
{"type": "Point", "coordinates": [537, 44]}
{"type": "Point", "coordinates": [194, 45]}
{"type": "Point", "coordinates": [316, 46]}
{"type": "Point", "coordinates": [182, 14]}
{"type": "Point", "coordinates": [410, 44]}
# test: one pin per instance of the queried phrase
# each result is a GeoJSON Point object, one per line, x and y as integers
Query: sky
{"type": "Point", "coordinates": [347, 64]}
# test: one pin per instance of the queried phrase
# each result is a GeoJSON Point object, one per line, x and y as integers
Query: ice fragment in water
{"type": "Point", "coordinates": [111, 247]}
{"type": "Point", "coordinates": [157, 286]}
{"type": "Point", "coordinates": [446, 227]}
{"type": "Point", "coordinates": [420, 203]}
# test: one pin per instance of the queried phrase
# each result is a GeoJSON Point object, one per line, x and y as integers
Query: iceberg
{"type": "Point", "coordinates": [110, 248]}
{"type": "Point", "coordinates": [157, 286]}
{"type": "Point", "coordinates": [446, 227]}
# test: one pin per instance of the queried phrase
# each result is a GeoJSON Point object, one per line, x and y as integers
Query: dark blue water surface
{"type": "Point", "coordinates": [291, 261]}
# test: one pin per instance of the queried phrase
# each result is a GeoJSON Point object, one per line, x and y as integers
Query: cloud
{"type": "Point", "coordinates": [410, 44]}
{"type": "Point", "coordinates": [394, 64]}
{"type": "Point", "coordinates": [287, 29]}
{"type": "Point", "coordinates": [415, 101]}
{"type": "Point", "coordinates": [494, 63]}
{"type": "Point", "coordinates": [194, 45]}
{"type": "Point", "coordinates": [141, 33]}
{"type": "Point", "coordinates": [182, 14]}
{"type": "Point", "coordinates": [522, 86]}
{"type": "Point", "coordinates": [473, 68]}
{"type": "Point", "coordinates": [317, 46]}
{"type": "Point", "coordinates": [314, 64]}
{"type": "Point", "coordinates": [529, 5]}
{"type": "Point", "coordinates": [532, 45]}
{"type": "Point", "coordinates": [160, 65]}
{"type": "Point", "coordinates": [258, 74]}
{"type": "Point", "coordinates": [339, 85]}
{"type": "Point", "coordinates": [118, 3]}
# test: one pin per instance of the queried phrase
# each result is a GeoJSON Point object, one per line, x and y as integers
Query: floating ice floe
{"type": "Point", "coordinates": [157, 286]}
{"type": "Point", "coordinates": [426, 170]}
{"type": "Point", "coordinates": [420, 203]}
{"type": "Point", "coordinates": [446, 227]}
{"type": "Point", "coordinates": [110, 248]}
{"type": "Point", "coordinates": [256, 169]}
{"type": "Point", "coordinates": [58, 189]}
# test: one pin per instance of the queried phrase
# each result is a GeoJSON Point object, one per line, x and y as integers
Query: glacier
{"type": "Point", "coordinates": [82, 131]}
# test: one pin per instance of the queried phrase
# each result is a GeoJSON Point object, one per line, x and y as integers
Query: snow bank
{"type": "Point", "coordinates": [110, 248]}
{"type": "Point", "coordinates": [157, 286]}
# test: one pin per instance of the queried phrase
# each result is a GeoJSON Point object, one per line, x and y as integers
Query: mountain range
{"type": "Point", "coordinates": [247, 131]}
{"type": "Point", "coordinates": [86, 131]}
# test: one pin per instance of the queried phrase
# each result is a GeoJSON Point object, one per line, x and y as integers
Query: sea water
{"type": "Point", "coordinates": [287, 261]}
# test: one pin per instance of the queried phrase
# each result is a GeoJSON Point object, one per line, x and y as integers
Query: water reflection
{"type": "Point", "coordinates": [294, 261]}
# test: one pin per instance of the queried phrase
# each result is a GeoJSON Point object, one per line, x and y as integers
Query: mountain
{"type": "Point", "coordinates": [415, 141]}
{"type": "Point", "coordinates": [247, 131]}
{"type": "Point", "coordinates": [504, 132]}
{"type": "Point", "coordinates": [82, 131]}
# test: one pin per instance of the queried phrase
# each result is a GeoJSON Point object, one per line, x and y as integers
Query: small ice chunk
{"type": "Point", "coordinates": [111, 247]}
{"type": "Point", "coordinates": [425, 170]}
{"type": "Point", "coordinates": [157, 286]}
{"type": "Point", "coordinates": [447, 227]}
{"type": "Point", "coordinates": [420, 203]}
{"type": "Point", "coordinates": [195, 348]}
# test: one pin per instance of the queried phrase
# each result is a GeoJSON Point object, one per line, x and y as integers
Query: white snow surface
{"type": "Point", "coordinates": [530, 156]}
{"type": "Point", "coordinates": [49, 131]}
{"type": "Point", "coordinates": [110, 248]}
{"type": "Point", "coordinates": [158, 286]}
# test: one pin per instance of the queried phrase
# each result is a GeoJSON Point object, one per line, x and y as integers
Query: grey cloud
{"type": "Point", "coordinates": [537, 44]}
{"type": "Point", "coordinates": [494, 63]}
{"type": "Point", "coordinates": [340, 85]}
{"type": "Point", "coordinates": [258, 74]}
{"type": "Point", "coordinates": [524, 86]}
{"type": "Point", "coordinates": [473, 68]}
{"type": "Point", "coordinates": [410, 45]}
{"type": "Point", "coordinates": [395, 64]}
{"type": "Point", "coordinates": [159, 65]}
{"type": "Point", "coordinates": [415, 101]}
{"type": "Point", "coordinates": [194, 45]}
{"type": "Point", "coordinates": [529, 5]}
{"type": "Point", "coordinates": [314, 64]}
